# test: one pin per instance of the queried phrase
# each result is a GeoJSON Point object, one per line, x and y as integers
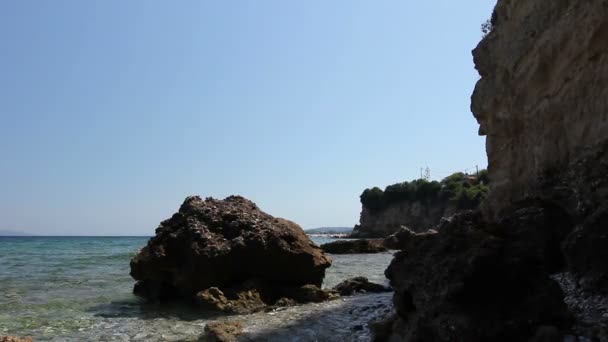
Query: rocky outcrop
{"type": "Point", "coordinates": [541, 104]}
{"type": "Point", "coordinates": [222, 331]}
{"type": "Point", "coordinates": [417, 215]}
{"type": "Point", "coordinates": [228, 255]}
{"type": "Point", "coordinates": [361, 246]}
{"type": "Point", "coordinates": [359, 285]}
{"type": "Point", "coordinates": [476, 281]}
{"type": "Point", "coordinates": [541, 97]}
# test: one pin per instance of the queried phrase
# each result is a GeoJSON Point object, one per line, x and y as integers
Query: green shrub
{"type": "Point", "coordinates": [460, 189]}
{"type": "Point", "coordinates": [373, 198]}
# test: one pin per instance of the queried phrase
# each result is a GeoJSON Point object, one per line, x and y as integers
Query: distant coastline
{"type": "Point", "coordinates": [330, 232]}
{"type": "Point", "coordinates": [13, 233]}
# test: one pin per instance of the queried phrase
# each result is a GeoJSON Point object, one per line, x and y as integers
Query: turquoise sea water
{"type": "Point", "coordinates": [79, 288]}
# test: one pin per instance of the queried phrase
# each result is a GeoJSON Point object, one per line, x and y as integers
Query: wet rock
{"type": "Point", "coordinates": [222, 331]}
{"type": "Point", "coordinates": [283, 302]}
{"type": "Point", "coordinates": [240, 302]}
{"type": "Point", "coordinates": [359, 284]}
{"type": "Point", "coordinates": [361, 246]}
{"type": "Point", "coordinates": [473, 281]}
{"type": "Point", "coordinates": [589, 308]}
{"type": "Point", "coordinates": [228, 254]}
{"type": "Point", "coordinates": [310, 294]}
{"type": "Point", "coordinates": [15, 339]}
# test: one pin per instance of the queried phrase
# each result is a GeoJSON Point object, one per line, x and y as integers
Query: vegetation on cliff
{"type": "Point", "coordinates": [463, 190]}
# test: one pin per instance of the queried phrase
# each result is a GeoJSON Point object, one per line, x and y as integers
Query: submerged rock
{"type": "Point", "coordinates": [222, 331]}
{"type": "Point", "coordinates": [15, 339]}
{"type": "Point", "coordinates": [245, 301]}
{"type": "Point", "coordinates": [361, 246]}
{"type": "Point", "coordinates": [359, 284]}
{"type": "Point", "coordinates": [229, 255]}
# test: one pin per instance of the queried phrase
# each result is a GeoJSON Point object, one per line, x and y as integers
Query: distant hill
{"type": "Point", "coordinates": [12, 233]}
{"type": "Point", "coordinates": [329, 230]}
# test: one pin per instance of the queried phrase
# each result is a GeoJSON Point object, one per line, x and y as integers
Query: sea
{"type": "Point", "coordinates": [79, 289]}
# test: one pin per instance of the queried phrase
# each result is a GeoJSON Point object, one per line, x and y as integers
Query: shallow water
{"type": "Point", "coordinates": [79, 288]}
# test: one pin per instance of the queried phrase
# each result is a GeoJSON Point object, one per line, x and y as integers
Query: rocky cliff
{"type": "Point", "coordinates": [541, 101]}
{"type": "Point", "coordinates": [417, 216]}
{"type": "Point", "coordinates": [418, 205]}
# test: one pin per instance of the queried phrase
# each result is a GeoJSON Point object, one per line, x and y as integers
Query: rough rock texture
{"type": "Point", "coordinates": [541, 101]}
{"type": "Point", "coordinates": [402, 238]}
{"type": "Point", "coordinates": [590, 309]}
{"type": "Point", "coordinates": [222, 331]}
{"type": "Point", "coordinates": [353, 247]}
{"type": "Point", "coordinates": [475, 281]}
{"type": "Point", "coordinates": [236, 302]}
{"type": "Point", "coordinates": [417, 216]}
{"type": "Point", "coordinates": [359, 284]}
{"type": "Point", "coordinates": [15, 339]}
{"type": "Point", "coordinates": [248, 255]}
{"type": "Point", "coordinates": [542, 96]}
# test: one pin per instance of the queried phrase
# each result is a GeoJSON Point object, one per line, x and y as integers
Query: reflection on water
{"type": "Point", "coordinates": [74, 289]}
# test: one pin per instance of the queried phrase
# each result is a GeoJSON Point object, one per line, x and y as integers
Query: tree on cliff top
{"type": "Point", "coordinates": [463, 190]}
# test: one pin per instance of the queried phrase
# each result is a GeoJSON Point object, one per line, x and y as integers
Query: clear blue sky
{"type": "Point", "coordinates": [113, 111]}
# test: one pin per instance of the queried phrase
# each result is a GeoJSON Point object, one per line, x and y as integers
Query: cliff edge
{"type": "Point", "coordinates": [490, 275]}
{"type": "Point", "coordinates": [541, 101]}
{"type": "Point", "coordinates": [418, 205]}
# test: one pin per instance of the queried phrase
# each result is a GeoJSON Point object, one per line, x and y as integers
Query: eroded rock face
{"type": "Point", "coordinates": [354, 246]}
{"type": "Point", "coordinates": [229, 245]}
{"type": "Point", "coordinates": [475, 281]}
{"type": "Point", "coordinates": [542, 97]}
{"type": "Point", "coordinates": [416, 215]}
{"type": "Point", "coordinates": [542, 102]}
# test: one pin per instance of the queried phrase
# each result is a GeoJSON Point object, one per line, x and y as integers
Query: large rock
{"type": "Point", "coordinates": [361, 246]}
{"type": "Point", "coordinates": [229, 245]}
{"type": "Point", "coordinates": [475, 281]}
{"type": "Point", "coordinates": [541, 102]}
